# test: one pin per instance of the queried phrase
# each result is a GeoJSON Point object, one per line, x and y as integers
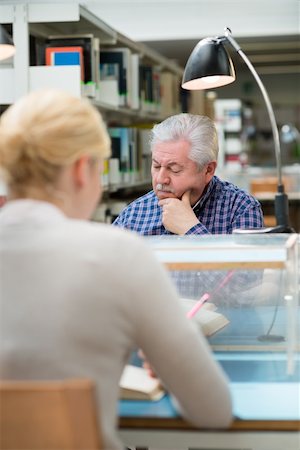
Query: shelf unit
{"type": "Point", "coordinates": [42, 20]}
{"type": "Point", "coordinates": [64, 18]}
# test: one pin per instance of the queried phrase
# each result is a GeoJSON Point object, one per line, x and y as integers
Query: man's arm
{"type": "Point", "coordinates": [251, 217]}
{"type": "Point", "coordinates": [241, 212]}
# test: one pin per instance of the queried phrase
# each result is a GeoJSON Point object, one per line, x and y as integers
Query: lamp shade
{"type": "Point", "coordinates": [7, 48]}
{"type": "Point", "coordinates": [208, 66]}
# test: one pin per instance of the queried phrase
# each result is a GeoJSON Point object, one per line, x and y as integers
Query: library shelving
{"type": "Point", "coordinates": [65, 46]}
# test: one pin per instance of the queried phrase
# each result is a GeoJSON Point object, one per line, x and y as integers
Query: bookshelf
{"type": "Point", "coordinates": [152, 81]}
{"type": "Point", "coordinates": [41, 20]}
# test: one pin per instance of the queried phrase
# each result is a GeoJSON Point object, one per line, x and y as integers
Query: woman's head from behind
{"type": "Point", "coordinates": [51, 148]}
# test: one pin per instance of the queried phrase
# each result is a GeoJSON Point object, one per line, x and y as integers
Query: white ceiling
{"type": "Point", "coordinates": [267, 30]}
{"type": "Point", "coordinates": [150, 20]}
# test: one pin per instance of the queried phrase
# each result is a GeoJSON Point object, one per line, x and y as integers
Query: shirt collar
{"type": "Point", "coordinates": [207, 192]}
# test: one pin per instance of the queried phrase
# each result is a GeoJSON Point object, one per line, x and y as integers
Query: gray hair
{"type": "Point", "coordinates": [200, 131]}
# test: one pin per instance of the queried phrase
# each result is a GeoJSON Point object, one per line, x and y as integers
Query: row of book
{"type": "Point", "coordinates": [130, 161]}
{"type": "Point", "coordinates": [114, 75]}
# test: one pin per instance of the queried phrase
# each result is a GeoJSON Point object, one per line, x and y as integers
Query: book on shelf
{"type": "Point", "coordinates": [90, 50]}
{"type": "Point", "coordinates": [120, 149]}
{"type": "Point", "coordinates": [209, 320]}
{"type": "Point", "coordinates": [170, 89]}
{"type": "Point", "coordinates": [145, 154]}
{"type": "Point", "coordinates": [115, 63]}
{"type": "Point", "coordinates": [135, 81]}
{"type": "Point", "coordinates": [137, 384]}
{"type": "Point", "coordinates": [136, 157]}
{"type": "Point", "coordinates": [108, 92]}
{"type": "Point", "coordinates": [146, 88]}
{"type": "Point", "coordinates": [126, 153]}
{"type": "Point", "coordinates": [156, 74]}
{"type": "Point", "coordinates": [109, 78]}
{"type": "Point", "coordinates": [65, 56]}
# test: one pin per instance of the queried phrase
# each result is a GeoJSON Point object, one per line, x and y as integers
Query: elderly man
{"type": "Point", "coordinates": [187, 197]}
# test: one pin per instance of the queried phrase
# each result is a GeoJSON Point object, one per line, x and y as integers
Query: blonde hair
{"type": "Point", "coordinates": [44, 132]}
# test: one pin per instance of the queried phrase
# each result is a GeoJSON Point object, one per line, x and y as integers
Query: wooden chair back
{"type": "Point", "coordinates": [44, 415]}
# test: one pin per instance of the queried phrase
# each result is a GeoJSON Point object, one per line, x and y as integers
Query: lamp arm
{"type": "Point", "coordinates": [268, 105]}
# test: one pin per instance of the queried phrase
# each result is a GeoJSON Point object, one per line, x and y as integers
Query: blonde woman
{"type": "Point", "coordinates": [78, 297]}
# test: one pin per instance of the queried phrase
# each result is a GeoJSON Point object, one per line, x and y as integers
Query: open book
{"type": "Point", "coordinates": [207, 318]}
{"type": "Point", "coordinates": [136, 384]}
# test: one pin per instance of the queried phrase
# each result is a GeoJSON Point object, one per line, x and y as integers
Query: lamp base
{"type": "Point", "coordinates": [265, 230]}
{"type": "Point", "coordinates": [281, 229]}
{"type": "Point", "coordinates": [271, 338]}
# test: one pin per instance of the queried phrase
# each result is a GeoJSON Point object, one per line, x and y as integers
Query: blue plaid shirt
{"type": "Point", "coordinates": [222, 208]}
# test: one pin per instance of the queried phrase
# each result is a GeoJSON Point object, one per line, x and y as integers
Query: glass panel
{"type": "Point", "coordinates": [248, 287]}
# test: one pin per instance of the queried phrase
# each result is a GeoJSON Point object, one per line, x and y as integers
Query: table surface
{"type": "Point", "coordinates": [260, 404]}
{"type": "Point", "coordinates": [266, 395]}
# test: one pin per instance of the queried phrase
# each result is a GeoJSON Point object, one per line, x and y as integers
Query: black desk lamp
{"type": "Point", "coordinates": [7, 48]}
{"type": "Point", "coordinates": [210, 66]}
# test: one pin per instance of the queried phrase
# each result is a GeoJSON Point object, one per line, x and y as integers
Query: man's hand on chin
{"type": "Point", "coordinates": [178, 215]}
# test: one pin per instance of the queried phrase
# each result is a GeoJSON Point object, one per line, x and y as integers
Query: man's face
{"type": "Point", "coordinates": [173, 173]}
